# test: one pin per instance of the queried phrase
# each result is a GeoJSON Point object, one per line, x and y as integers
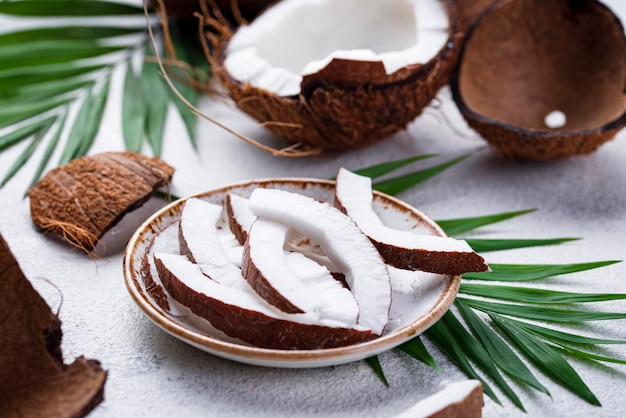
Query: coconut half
{"type": "Point", "coordinates": [338, 74]}
{"type": "Point", "coordinates": [544, 79]}
{"type": "Point", "coordinates": [402, 249]}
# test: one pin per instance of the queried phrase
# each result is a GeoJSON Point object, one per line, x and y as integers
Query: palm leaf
{"type": "Point", "coordinates": [66, 8]}
{"type": "Point", "coordinates": [461, 225]}
{"type": "Point", "coordinates": [561, 337]}
{"type": "Point", "coordinates": [65, 33]}
{"type": "Point", "coordinates": [485, 245]}
{"type": "Point", "coordinates": [530, 272]}
{"type": "Point", "coordinates": [374, 363]}
{"type": "Point", "coordinates": [416, 349]}
{"type": "Point", "coordinates": [156, 98]}
{"type": "Point", "coordinates": [534, 295]}
{"type": "Point", "coordinates": [52, 144]}
{"type": "Point", "coordinates": [387, 167]}
{"type": "Point", "coordinates": [133, 111]}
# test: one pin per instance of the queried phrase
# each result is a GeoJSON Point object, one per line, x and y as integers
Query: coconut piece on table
{"type": "Point", "coordinates": [459, 399]}
{"type": "Point", "coordinates": [343, 242]}
{"type": "Point", "coordinates": [402, 249]}
{"type": "Point", "coordinates": [83, 199]}
{"type": "Point", "coordinates": [337, 84]}
{"type": "Point", "coordinates": [34, 381]}
{"type": "Point", "coordinates": [245, 315]}
{"type": "Point", "coordinates": [292, 282]}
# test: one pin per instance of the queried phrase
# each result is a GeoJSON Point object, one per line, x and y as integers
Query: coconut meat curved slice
{"type": "Point", "coordinates": [301, 37]}
{"type": "Point", "coordinates": [292, 282]}
{"type": "Point", "coordinates": [343, 242]}
{"type": "Point", "coordinates": [245, 315]}
{"type": "Point", "coordinates": [458, 399]}
{"type": "Point", "coordinates": [240, 217]}
{"type": "Point", "coordinates": [199, 241]}
{"type": "Point", "coordinates": [402, 249]}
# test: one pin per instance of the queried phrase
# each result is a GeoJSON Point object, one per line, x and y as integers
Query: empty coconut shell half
{"type": "Point", "coordinates": [338, 75]}
{"type": "Point", "coordinates": [543, 79]}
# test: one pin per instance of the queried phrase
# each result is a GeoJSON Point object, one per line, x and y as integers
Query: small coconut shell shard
{"type": "Point", "coordinates": [338, 75]}
{"type": "Point", "coordinates": [34, 381]}
{"type": "Point", "coordinates": [83, 199]}
{"type": "Point", "coordinates": [543, 79]}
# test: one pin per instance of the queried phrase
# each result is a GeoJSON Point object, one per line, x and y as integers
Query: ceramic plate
{"type": "Point", "coordinates": [418, 299]}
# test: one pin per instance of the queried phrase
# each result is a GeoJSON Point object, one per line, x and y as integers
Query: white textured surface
{"type": "Point", "coordinates": [154, 375]}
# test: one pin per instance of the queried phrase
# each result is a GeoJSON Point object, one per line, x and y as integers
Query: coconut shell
{"type": "Point", "coordinates": [83, 199]}
{"type": "Point", "coordinates": [231, 9]}
{"type": "Point", "coordinates": [523, 59]}
{"type": "Point", "coordinates": [34, 381]}
{"type": "Point", "coordinates": [348, 105]}
{"type": "Point", "coordinates": [469, 10]}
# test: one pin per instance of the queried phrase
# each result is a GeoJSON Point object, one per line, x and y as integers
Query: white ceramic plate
{"type": "Point", "coordinates": [419, 299]}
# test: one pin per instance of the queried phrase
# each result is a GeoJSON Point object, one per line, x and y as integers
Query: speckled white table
{"type": "Point", "coordinates": [151, 374]}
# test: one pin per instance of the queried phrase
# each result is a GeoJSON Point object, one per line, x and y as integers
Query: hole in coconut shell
{"type": "Point", "coordinates": [525, 58]}
{"type": "Point", "coordinates": [555, 119]}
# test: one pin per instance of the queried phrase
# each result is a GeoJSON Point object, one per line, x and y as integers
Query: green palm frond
{"type": "Point", "coordinates": [46, 71]}
{"type": "Point", "coordinates": [492, 322]}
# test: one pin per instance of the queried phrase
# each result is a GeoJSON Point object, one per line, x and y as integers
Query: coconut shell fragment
{"type": "Point", "coordinates": [83, 199]}
{"type": "Point", "coordinates": [544, 79]}
{"type": "Point", "coordinates": [34, 381]}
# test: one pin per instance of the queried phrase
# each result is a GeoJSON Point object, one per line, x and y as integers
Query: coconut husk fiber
{"type": "Point", "coordinates": [347, 106]}
{"type": "Point", "coordinates": [34, 381]}
{"type": "Point", "coordinates": [524, 59]}
{"type": "Point", "coordinates": [83, 199]}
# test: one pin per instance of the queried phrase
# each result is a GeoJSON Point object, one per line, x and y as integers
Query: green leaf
{"type": "Point", "coordinates": [561, 337]}
{"type": "Point", "coordinates": [374, 363]}
{"type": "Point", "coordinates": [27, 153]}
{"type": "Point", "coordinates": [585, 355]}
{"type": "Point", "coordinates": [25, 111]}
{"type": "Point", "coordinates": [389, 166]}
{"type": "Point", "coordinates": [529, 272]}
{"type": "Point", "coordinates": [485, 245]}
{"type": "Point", "coordinates": [449, 343]}
{"type": "Point", "coordinates": [541, 313]}
{"type": "Point", "coordinates": [133, 111]}
{"type": "Point", "coordinates": [52, 144]}
{"type": "Point", "coordinates": [533, 295]}
{"type": "Point", "coordinates": [39, 92]}
{"type": "Point", "coordinates": [45, 53]}
{"type": "Point", "coordinates": [480, 356]}
{"type": "Point", "coordinates": [86, 124]}
{"type": "Point", "coordinates": [416, 349]}
{"type": "Point", "coordinates": [156, 98]}
{"type": "Point", "coordinates": [399, 184]}
{"type": "Point", "coordinates": [22, 133]}
{"type": "Point", "coordinates": [547, 359]}
{"type": "Point", "coordinates": [12, 81]}
{"type": "Point", "coordinates": [57, 33]}
{"type": "Point", "coordinates": [47, 8]}
{"type": "Point", "coordinates": [461, 225]}
{"type": "Point", "coordinates": [499, 351]}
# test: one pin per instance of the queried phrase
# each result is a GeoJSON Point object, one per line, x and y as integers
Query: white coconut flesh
{"type": "Point", "coordinates": [293, 280]}
{"type": "Point", "coordinates": [353, 194]}
{"type": "Point", "coordinates": [295, 38]}
{"type": "Point", "coordinates": [463, 398]}
{"type": "Point", "coordinates": [343, 242]}
{"type": "Point", "coordinates": [199, 241]}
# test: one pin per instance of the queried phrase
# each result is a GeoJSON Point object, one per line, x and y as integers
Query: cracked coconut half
{"type": "Point", "coordinates": [338, 74]}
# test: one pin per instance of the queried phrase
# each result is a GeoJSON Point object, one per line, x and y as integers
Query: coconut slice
{"type": "Point", "coordinates": [342, 241]}
{"type": "Point", "coordinates": [199, 241]}
{"type": "Point", "coordinates": [458, 399]}
{"type": "Point", "coordinates": [560, 60]}
{"type": "Point", "coordinates": [339, 74]}
{"type": "Point", "coordinates": [289, 282]}
{"type": "Point", "coordinates": [244, 315]}
{"type": "Point", "coordinates": [240, 217]}
{"type": "Point", "coordinates": [402, 249]}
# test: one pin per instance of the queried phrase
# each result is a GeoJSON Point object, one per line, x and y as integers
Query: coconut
{"type": "Point", "coordinates": [543, 79]}
{"type": "Point", "coordinates": [337, 75]}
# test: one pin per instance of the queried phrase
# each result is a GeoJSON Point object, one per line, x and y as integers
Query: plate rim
{"type": "Point", "coordinates": [275, 357]}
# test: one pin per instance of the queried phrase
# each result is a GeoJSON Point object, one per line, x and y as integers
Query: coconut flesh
{"type": "Point", "coordinates": [267, 287]}
{"type": "Point", "coordinates": [298, 38]}
{"type": "Point", "coordinates": [339, 74]}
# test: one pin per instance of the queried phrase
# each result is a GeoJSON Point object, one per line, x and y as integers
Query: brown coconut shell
{"type": "Point", "coordinates": [523, 59]}
{"type": "Point", "coordinates": [469, 10]}
{"type": "Point", "coordinates": [34, 381]}
{"type": "Point", "coordinates": [83, 199]}
{"type": "Point", "coordinates": [348, 105]}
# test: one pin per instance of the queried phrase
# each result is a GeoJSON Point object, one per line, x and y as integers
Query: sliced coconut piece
{"type": "Point", "coordinates": [290, 281]}
{"type": "Point", "coordinates": [402, 249]}
{"type": "Point", "coordinates": [240, 217]}
{"type": "Point", "coordinates": [348, 248]}
{"type": "Point", "coordinates": [244, 315]}
{"type": "Point", "coordinates": [199, 241]}
{"type": "Point", "coordinates": [458, 399]}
